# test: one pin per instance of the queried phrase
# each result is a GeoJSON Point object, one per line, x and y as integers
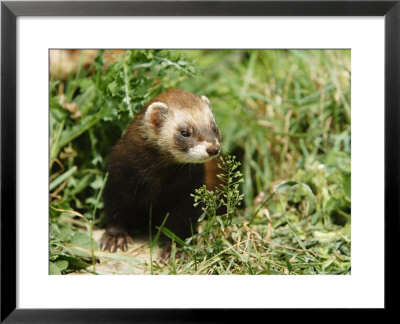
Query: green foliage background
{"type": "Point", "coordinates": [284, 113]}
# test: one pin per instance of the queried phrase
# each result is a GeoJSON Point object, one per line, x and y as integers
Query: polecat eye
{"type": "Point", "coordinates": [185, 134]}
{"type": "Point", "coordinates": [216, 130]}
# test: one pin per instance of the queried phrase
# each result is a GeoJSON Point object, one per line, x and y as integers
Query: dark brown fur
{"type": "Point", "coordinates": [143, 179]}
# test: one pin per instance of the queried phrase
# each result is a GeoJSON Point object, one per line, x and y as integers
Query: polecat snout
{"type": "Point", "coordinates": [156, 165]}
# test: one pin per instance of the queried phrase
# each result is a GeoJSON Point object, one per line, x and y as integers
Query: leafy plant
{"type": "Point", "coordinates": [226, 197]}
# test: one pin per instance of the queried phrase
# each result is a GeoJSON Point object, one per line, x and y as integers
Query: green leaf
{"type": "Point", "coordinates": [315, 217]}
{"type": "Point", "coordinates": [61, 264]}
{"type": "Point", "coordinates": [157, 237]}
{"type": "Point", "coordinates": [221, 223]}
{"type": "Point", "coordinates": [270, 272]}
{"type": "Point", "coordinates": [174, 237]}
{"type": "Point", "coordinates": [97, 183]}
{"type": "Point", "coordinates": [113, 87]}
{"type": "Point", "coordinates": [82, 240]}
{"type": "Point", "coordinates": [74, 263]}
{"type": "Point", "coordinates": [286, 185]}
{"type": "Point", "coordinates": [82, 184]}
{"type": "Point", "coordinates": [289, 265]}
{"type": "Point", "coordinates": [325, 237]}
{"type": "Point", "coordinates": [202, 216]}
{"type": "Point", "coordinates": [54, 270]}
{"type": "Point", "coordinates": [309, 194]}
{"type": "Point", "coordinates": [57, 267]}
{"type": "Point", "coordinates": [347, 185]}
{"type": "Point", "coordinates": [60, 179]}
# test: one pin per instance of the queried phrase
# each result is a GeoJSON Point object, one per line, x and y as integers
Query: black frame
{"type": "Point", "coordinates": [11, 10]}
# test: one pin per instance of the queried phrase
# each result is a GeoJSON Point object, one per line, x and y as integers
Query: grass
{"type": "Point", "coordinates": [284, 114]}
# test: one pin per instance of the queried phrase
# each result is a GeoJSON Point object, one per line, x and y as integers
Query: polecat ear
{"type": "Point", "coordinates": [205, 99]}
{"type": "Point", "coordinates": [155, 114]}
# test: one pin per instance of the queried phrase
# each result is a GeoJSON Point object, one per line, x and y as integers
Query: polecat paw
{"type": "Point", "coordinates": [165, 254]}
{"type": "Point", "coordinates": [114, 238]}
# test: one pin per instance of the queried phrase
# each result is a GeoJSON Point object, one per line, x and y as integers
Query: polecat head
{"type": "Point", "coordinates": [183, 125]}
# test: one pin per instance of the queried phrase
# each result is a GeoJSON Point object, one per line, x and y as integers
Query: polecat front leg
{"type": "Point", "coordinates": [115, 237]}
{"type": "Point", "coordinates": [117, 207]}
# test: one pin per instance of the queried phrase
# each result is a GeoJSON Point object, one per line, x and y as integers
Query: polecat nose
{"type": "Point", "coordinates": [213, 150]}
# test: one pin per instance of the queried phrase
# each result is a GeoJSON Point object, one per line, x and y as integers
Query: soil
{"type": "Point", "coordinates": [135, 260]}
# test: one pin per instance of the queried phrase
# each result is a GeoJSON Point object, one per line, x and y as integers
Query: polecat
{"type": "Point", "coordinates": [156, 165]}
